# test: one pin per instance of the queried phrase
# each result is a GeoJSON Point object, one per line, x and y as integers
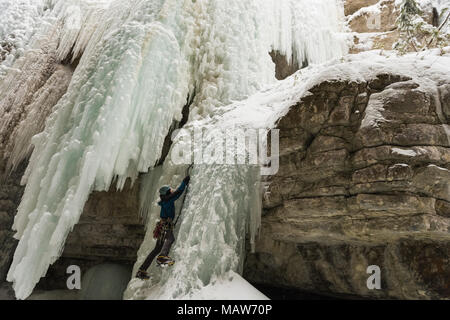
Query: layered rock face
{"type": "Point", "coordinates": [364, 180]}
{"type": "Point", "coordinates": [10, 194]}
{"type": "Point", "coordinates": [283, 69]}
{"type": "Point", "coordinates": [110, 227]}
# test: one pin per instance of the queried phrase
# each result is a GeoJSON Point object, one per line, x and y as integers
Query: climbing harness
{"type": "Point", "coordinates": [161, 228]}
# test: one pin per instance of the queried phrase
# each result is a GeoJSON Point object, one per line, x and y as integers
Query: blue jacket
{"type": "Point", "coordinates": [167, 203]}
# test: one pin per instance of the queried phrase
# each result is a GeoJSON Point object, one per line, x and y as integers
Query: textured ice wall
{"type": "Point", "coordinates": [309, 30]}
{"type": "Point", "coordinates": [139, 65]}
{"type": "Point", "coordinates": [19, 21]}
{"type": "Point", "coordinates": [34, 115]}
{"type": "Point", "coordinates": [36, 79]}
{"type": "Point", "coordinates": [26, 20]}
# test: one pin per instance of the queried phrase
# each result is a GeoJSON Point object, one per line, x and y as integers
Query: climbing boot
{"type": "Point", "coordinates": [164, 261]}
{"type": "Point", "coordinates": [141, 274]}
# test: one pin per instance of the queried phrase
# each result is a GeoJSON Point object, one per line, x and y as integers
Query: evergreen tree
{"type": "Point", "coordinates": [415, 33]}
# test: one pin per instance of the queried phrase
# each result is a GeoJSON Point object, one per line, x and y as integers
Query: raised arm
{"type": "Point", "coordinates": [175, 195]}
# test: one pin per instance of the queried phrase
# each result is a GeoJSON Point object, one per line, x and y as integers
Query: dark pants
{"type": "Point", "coordinates": [162, 247]}
{"type": "Point", "coordinates": [170, 239]}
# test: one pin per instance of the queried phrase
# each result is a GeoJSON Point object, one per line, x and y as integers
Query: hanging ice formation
{"type": "Point", "coordinates": [20, 19]}
{"type": "Point", "coordinates": [41, 72]}
{"type": "Point", "coordinates": [139, 62]}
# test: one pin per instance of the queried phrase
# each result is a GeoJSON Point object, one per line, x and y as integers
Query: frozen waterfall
{"type": "Point", "coordinates": [140, 61]}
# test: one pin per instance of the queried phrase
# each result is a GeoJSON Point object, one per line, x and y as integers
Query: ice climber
{"type": "Point", "coordinates": [164, 229]}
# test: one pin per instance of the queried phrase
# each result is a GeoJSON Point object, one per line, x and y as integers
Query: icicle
{"type": "Point", "coordinates": [44, 99]}
{"type": "Point", "coordinates": [77, 22]}
{"type": "Point", "coordinates": [311, 31]}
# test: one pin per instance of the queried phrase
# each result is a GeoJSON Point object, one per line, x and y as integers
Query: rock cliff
{"type": "Point", "coordinates": [364, 180]}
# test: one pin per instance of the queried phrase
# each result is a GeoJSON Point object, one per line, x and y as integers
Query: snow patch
{"type": "Point", "coordinates": [437, 167]}
{"type": "Point", "coordinates": [404, 152]}
{"type": "Point", "coordinates": [230, 286]}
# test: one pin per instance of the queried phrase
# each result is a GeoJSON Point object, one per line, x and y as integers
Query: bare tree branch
{"type": "Point", "coordinates": [439, 29]}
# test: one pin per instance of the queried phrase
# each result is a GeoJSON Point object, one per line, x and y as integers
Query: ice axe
{"type": "Point", "coordinates": [184, 199]}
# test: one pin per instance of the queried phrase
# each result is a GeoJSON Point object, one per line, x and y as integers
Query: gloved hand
{"type": "Point", "coordinates": [186, 180]}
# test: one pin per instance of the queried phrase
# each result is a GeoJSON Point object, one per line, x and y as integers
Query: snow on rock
{"type": "Point", "coordinates": [374, 9]}
{"type": "Point", "coordinates": [265, 107]}
{"type": "Point", "coordinates": [404, 152]}
{"type": "Point", "coordinates": [437, 167]}
{"type": "Point", "coordinates": [229, 287]}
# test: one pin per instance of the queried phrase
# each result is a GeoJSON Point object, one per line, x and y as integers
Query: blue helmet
{"type": "Point", "coordinates": [163, 191]}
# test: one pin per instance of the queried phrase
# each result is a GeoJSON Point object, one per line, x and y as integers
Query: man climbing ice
{"type": "Point", "coordinates": [164, 229]}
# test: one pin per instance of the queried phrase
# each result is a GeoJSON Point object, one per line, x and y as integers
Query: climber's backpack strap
{"type": "Point", "coordinates": [162, 227]}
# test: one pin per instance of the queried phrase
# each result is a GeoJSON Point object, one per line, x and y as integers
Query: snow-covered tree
{"type": "Point", "coordinates": [415, 33]}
